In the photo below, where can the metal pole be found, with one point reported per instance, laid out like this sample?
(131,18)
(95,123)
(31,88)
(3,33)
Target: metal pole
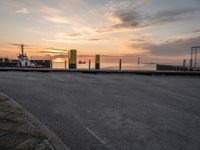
(138,63)
(184,64)
(22,48)
(43,63)
(191,62)
(197,55)
(191,53)
(195,59)
(120,64)
(51,64)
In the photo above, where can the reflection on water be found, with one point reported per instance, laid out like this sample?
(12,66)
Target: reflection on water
(110,66)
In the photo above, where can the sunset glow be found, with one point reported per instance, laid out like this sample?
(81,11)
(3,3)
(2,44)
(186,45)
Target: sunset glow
(58,60)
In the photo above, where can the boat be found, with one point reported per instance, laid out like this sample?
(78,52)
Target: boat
(24,61)
(82,62)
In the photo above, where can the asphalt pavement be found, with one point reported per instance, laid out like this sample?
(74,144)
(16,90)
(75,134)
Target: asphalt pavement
(112,111)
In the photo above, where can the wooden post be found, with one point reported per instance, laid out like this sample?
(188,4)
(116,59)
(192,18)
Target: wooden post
(89,64)
(65,64)
(120,64)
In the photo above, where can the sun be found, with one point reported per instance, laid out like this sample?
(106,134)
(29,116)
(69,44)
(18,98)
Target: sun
(58,60)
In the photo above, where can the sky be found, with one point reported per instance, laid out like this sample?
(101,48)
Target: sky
(156,30)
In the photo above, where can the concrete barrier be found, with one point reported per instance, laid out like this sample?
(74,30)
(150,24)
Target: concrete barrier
(139,72)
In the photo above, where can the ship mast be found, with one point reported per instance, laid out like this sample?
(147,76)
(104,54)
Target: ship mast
(22,49)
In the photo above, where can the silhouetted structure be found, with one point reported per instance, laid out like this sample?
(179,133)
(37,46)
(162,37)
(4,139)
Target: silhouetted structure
(5,62)
(89,64)
(194,50)
(184,64)
(174,68)
(120,64)
(41,63)
(97,62)
(72,59)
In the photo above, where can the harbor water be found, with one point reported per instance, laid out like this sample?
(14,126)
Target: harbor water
(108,66)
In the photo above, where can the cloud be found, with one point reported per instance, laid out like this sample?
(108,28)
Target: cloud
(46,52)
(138,40)
(97,39)
(57,19)
(127,16)
(54,40)
(169,16)
(52,50)
(23,11)
(128,19)
(118,13)
(69,36)
(112,7)
(74,34)
(56,49)
(170,47)
(196,31)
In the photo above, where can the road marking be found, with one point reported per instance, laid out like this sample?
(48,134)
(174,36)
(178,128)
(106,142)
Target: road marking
(91,132)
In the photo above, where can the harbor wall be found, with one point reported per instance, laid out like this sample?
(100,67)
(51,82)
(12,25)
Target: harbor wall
(8,64)
(161,67)
(40,63)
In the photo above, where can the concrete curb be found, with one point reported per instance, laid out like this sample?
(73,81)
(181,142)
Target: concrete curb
(52,138)
(139,72)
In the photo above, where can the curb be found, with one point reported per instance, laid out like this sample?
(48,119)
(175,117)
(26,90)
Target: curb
(138,72)
(52,138)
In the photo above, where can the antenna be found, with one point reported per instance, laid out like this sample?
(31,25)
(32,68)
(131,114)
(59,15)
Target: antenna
(22,49)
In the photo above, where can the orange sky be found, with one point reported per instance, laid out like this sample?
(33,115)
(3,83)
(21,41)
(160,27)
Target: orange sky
(156,30)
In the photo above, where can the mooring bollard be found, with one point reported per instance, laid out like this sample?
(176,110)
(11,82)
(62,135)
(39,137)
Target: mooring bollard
(89,64)
(97,62)
(72,59)
(120,64)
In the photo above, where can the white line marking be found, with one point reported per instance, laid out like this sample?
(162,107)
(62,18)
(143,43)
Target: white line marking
(91,132)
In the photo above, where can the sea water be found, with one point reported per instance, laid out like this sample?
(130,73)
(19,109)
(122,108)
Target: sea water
(109,66)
